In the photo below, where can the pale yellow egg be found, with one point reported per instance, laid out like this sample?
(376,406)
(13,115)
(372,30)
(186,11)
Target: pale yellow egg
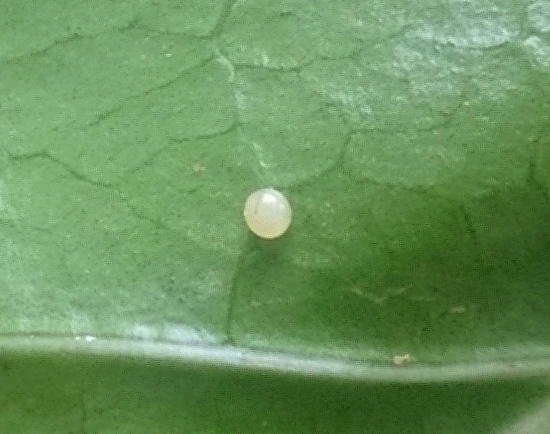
(267,213)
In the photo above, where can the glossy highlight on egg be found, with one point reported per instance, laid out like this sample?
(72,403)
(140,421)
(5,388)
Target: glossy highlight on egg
(267,213)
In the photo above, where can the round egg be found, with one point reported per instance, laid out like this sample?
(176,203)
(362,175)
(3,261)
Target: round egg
(267,213)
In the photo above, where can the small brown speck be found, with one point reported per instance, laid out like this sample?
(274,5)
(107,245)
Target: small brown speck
(198,168)
(402,359)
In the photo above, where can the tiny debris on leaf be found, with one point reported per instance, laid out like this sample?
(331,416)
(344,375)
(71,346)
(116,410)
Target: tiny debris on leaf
(198,168)
(401,359)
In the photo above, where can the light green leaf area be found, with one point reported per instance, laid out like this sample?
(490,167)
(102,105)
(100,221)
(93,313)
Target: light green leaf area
(411,141)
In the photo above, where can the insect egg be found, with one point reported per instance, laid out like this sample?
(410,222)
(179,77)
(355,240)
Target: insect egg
(267,213)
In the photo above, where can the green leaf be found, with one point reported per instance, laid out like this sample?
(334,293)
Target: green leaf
(411,140)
